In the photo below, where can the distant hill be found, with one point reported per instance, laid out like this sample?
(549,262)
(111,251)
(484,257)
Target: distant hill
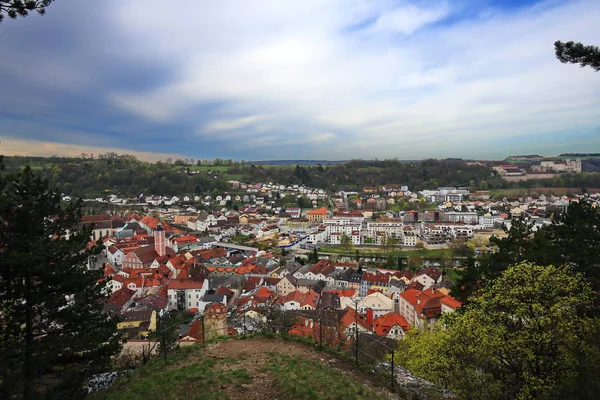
(525,157)
(296,162)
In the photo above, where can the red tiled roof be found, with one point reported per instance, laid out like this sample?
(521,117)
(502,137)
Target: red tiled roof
(121,296)
(384,324)
(186,284)
(318,211)
(350,316)
(450,302)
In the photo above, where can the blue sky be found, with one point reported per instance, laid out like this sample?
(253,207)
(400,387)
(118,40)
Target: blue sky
(334,79)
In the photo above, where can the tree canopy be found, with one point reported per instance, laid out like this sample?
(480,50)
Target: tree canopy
(54,333)
(573,238)
(22,8)
(531,334)
(577,53)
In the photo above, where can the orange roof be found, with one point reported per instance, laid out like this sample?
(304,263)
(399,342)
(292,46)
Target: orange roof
(350,316)
(450,302)
(186,284)
(384,324)
(318,211)
(341,292)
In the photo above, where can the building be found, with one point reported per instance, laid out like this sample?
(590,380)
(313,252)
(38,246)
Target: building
(317,215)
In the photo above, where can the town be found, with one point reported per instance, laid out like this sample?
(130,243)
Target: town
(319,269)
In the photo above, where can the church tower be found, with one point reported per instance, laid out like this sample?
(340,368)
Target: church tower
(159,240)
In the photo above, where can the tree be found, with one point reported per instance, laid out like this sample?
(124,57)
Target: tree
(21,8)
(577,53)
(573,239)
(346,243)
(532,334)
(415,262)
(57,335)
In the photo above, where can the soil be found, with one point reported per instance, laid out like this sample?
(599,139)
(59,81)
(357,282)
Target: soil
(251,355)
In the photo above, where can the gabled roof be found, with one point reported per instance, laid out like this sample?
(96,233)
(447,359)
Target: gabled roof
(143,315)
(433,272)
(349,316)
(384,324)
(121,296)
(186,284)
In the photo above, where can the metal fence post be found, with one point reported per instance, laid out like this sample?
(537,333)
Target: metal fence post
(203,332)
(392,377)
(320,333)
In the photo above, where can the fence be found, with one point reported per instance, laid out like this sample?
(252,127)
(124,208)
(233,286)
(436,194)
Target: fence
(323,328)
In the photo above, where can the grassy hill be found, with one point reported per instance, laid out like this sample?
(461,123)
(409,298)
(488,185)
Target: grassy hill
(254,368)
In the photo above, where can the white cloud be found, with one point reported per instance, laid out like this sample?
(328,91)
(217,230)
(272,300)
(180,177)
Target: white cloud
(409,18)
(225,125)
(386,76)
(322,137)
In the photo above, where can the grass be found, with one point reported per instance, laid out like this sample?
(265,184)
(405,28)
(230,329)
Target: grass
(366,252)
(200,380)
(191,375)
(299,378)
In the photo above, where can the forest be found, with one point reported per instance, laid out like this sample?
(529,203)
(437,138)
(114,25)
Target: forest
(125,175)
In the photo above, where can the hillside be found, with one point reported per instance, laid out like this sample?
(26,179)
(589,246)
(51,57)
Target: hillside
(251,369)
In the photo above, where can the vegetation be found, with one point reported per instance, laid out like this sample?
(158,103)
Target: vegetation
(54,333)
(572,239)
(122,175)
(358,173)
(21,8)
(531,335)
(299,378)
(190,373)
(201,379)
(577,53)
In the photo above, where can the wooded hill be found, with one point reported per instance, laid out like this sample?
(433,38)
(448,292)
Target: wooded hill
(130,177)
(127,176)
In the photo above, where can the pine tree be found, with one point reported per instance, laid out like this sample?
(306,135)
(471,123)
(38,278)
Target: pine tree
(55,334)
(21,8)
(577,53)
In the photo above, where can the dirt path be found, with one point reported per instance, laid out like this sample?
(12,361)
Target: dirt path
(252,355)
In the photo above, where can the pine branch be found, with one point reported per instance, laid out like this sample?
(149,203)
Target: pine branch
(577,53)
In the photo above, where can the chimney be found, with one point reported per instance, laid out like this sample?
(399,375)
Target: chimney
(159,240)
(370,316)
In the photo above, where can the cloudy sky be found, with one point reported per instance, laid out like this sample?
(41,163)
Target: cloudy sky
(290,79)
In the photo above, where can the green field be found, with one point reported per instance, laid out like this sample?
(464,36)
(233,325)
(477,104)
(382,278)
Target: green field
(366,252)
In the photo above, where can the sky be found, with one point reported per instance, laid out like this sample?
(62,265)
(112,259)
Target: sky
(289,79)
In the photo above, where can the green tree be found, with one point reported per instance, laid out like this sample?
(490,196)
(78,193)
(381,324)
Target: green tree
(530,335)
(57,333)
(414,262)
(346,242)
(577,53)
(21,8)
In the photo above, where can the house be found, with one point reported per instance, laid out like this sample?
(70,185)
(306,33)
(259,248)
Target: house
(301,301)
(115,255)
(137,323)
(422,308)
(351,321)
(392,325)
(374,281)
(286,285)
(119,300)
(209,299)
(317,215)
(184,294)
(215,320)
(377,302)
